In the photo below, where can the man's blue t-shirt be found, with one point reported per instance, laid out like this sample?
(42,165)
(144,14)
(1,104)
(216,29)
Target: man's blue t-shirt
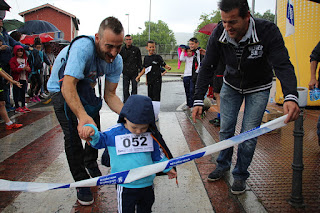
(82,64)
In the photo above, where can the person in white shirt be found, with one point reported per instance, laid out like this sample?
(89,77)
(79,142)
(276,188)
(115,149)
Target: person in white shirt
(186,56)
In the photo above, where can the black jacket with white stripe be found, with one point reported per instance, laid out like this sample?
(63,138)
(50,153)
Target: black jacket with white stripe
(264,53)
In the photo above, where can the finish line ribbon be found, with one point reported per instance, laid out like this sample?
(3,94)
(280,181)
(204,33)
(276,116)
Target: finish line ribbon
(141,172)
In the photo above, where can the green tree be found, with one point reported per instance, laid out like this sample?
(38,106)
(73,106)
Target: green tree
(160,33)
(205,19)
(215,17)
(266,15)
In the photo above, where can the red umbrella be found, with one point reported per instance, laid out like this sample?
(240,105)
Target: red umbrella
(207,29)
(29,39)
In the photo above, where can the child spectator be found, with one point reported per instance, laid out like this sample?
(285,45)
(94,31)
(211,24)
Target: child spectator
(36,65)
(130,144)
(47,68)
(187,76)
(3,111)
(20,69)
(152,65)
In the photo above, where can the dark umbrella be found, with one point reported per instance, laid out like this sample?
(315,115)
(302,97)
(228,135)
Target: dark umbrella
(37,27)
(4,5)
(12,24)
(207,29)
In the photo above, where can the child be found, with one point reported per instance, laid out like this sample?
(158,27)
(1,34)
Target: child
(152,67)
(3,111)
(132,144)
(36,72)
(187,76)
(20,70)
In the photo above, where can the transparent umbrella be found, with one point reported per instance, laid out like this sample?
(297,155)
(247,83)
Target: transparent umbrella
(12,24)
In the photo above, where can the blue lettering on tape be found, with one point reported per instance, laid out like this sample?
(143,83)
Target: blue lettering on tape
(62,187)
(183,159)
(115,178)
(250,134)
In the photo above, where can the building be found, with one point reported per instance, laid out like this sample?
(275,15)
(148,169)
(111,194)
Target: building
(301,43)
(64,21)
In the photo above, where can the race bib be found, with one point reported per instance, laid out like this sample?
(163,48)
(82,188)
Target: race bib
(148,69)
(131,143)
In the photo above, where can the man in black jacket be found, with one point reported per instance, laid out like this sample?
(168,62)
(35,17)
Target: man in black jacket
(314,83)
(251,49)
(132,65)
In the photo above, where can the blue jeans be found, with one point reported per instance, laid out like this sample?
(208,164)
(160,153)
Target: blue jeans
(231,101)
(188,88)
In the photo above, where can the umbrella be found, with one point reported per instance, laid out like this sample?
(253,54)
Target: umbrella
(29,39)
(61,41)
(37,27)
(207,29)
(4,5)
(12,24)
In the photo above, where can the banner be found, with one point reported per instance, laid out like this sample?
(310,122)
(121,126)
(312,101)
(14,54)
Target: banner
(141,172)
(289,19)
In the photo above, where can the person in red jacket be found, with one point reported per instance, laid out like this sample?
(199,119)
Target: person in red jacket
(20,70)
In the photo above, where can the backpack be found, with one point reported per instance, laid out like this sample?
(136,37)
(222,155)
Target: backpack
(91,103)
(35,60)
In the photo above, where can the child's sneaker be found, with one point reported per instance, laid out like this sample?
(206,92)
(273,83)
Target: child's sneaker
(37,98)
(26,109)
(13,126)
(33,100)
(19,109)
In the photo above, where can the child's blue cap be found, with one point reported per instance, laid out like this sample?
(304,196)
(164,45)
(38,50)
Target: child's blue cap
(138,109)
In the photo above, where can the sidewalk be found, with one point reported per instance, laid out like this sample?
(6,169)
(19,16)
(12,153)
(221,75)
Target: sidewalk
(270,185)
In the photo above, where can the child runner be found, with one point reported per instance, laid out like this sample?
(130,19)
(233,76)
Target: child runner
(152,67)
(132,144)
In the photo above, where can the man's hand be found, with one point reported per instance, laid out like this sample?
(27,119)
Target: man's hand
(3,47)
(292,109)
(17,83)
(196,113)
(202,51)
(85,119)
(313,84)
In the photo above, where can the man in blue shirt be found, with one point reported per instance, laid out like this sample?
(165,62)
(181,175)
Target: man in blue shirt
(88,59)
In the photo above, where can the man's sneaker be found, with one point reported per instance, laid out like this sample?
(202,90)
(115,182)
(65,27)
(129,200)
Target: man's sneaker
(19,109)
(238,187)
(217,174)
(13,126)
(215,122)
(94,172)
(84,196)
(26,109)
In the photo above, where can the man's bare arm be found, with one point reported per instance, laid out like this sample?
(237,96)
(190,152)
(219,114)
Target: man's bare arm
(111,98)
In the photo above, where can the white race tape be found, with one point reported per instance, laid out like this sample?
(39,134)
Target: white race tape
(141,172)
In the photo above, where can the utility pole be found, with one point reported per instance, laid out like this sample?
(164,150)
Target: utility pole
(149,18)
(128,22)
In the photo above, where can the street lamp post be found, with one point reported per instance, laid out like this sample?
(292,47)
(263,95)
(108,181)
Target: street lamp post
(149,18)
(139,34)
(128,22)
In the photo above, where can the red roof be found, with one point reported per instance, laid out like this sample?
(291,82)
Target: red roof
(44,6)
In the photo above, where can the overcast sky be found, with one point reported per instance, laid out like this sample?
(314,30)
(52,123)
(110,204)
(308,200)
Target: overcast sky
(180,15)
